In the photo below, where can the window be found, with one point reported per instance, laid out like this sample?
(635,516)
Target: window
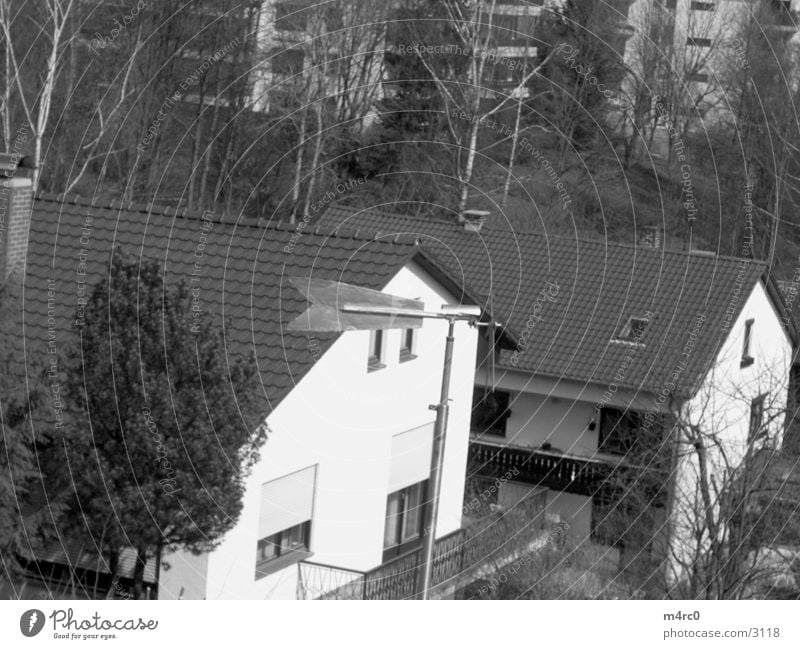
(375,359)
(747,359)
(403,528)
(632,331)
(703,6)
(698,42)
(287,545)
(756,417)
(408,344)
(284,528)
(618,430)
(490,411)
(782,5)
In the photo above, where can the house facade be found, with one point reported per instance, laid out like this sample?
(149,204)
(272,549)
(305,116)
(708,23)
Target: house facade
(613,362)
(344,474)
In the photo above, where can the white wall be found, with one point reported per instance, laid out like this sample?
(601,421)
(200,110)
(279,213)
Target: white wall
(722,407)
(537,418)
(342,418)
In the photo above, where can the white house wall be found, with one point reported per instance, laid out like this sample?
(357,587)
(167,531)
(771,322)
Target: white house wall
(342,418)
(722,405)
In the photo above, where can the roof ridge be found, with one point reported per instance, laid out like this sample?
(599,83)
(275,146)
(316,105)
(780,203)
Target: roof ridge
(358,234)
(130,206)
(526,233)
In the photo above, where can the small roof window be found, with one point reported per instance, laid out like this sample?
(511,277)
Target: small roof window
(632,331)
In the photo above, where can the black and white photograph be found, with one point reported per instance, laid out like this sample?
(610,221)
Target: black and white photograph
(488,301)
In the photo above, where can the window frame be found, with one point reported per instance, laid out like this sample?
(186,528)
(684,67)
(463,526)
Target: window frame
(747,358)
(417,496)
(408,348)
(499,425)
(377,343)
(756,417)
(617,432)
(698,77)
(283,556)
(698,41)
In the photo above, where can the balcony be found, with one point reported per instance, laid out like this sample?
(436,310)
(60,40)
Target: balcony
(459,558)
(551,469)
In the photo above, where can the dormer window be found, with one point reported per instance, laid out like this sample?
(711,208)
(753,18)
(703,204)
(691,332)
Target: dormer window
(747,359)
(632,331)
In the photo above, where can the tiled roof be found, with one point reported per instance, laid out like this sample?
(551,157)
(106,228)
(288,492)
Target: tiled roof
(591,288)
(242,272)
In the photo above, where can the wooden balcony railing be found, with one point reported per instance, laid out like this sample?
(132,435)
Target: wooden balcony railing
(549,469)
(456,556)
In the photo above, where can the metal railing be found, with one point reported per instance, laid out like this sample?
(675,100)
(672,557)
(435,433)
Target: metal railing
(456,557)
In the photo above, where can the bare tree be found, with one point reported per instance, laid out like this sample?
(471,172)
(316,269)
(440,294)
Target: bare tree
(692,507)
(51,26)
(472,100)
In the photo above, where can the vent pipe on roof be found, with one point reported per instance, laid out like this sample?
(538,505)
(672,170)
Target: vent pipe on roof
(473,220)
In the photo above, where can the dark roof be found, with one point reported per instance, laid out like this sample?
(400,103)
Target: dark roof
(243,274)
(598,286)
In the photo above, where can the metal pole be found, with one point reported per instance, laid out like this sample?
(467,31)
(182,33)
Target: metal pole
(437,457)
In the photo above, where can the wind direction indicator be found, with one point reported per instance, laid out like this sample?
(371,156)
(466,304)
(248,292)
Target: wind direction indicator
(336,306)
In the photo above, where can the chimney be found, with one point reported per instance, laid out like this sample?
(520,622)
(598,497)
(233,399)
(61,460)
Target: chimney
(650,237)
(16,202)
(473,220)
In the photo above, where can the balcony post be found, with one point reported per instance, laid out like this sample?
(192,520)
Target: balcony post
(431,513)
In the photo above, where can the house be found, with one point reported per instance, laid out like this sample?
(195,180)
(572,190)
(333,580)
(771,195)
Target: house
(620,352)
(335,503)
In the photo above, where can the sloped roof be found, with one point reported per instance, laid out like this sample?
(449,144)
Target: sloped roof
(693,298)
(242,270)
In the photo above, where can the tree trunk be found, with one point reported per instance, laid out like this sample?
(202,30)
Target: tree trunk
(113,566)
(138,573)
